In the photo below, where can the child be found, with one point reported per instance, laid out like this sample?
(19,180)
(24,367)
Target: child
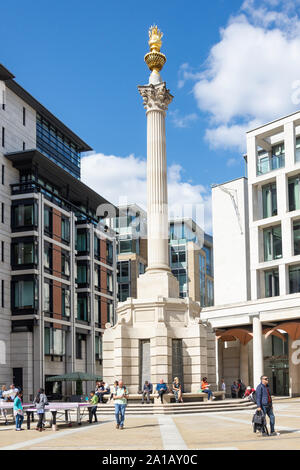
(18,411)
(93,410)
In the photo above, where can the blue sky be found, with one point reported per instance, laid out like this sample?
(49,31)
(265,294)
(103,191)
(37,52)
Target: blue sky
(231,65)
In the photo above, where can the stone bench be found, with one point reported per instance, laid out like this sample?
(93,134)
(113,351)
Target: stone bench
(170,398)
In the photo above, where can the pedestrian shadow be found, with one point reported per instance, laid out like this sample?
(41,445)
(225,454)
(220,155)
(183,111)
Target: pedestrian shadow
(143,426)
(291,431)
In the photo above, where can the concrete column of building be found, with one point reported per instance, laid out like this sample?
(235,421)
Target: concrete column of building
(244,364)
(258,359)
(289,143)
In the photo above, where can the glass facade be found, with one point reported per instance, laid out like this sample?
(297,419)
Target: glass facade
(272,283)
(24,295)
(55,342)
(83,307)
(296,237)
(56,146)
(294,193)
(24,215)
(294,279)
(272,243)
(269,197)
(270,161)
(24,253)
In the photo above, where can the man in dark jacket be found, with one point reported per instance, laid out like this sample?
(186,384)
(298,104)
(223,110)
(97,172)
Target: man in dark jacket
(264,402)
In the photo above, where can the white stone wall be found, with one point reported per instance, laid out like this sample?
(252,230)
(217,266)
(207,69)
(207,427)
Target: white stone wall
(231,251)
(22,356)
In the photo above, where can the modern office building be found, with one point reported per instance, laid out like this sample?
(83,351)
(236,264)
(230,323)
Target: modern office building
(58,260)
(130,226)
(256,227)
(191,260)
(190,254)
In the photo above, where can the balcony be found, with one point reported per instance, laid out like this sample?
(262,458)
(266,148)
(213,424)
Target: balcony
(270,163)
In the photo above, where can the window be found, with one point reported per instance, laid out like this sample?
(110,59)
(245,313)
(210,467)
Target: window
(24,116)
(98,348)
(96,247)
(269,200)
(97,277)
(24,215)
(296,235)
(109,253)
(83,309)
(2,212)
(2,251)
(65,229)
(126,246)
(55,342)
(48,257)
(82,274)
(65,302)
(47,297)
(48,220)
(270,161)
(109,282)
(294,279)
(65,264)
(208,252)
(79,339)
(83,241)
(24,254)
(272,243)
(178,256)
(294,193)
(2,174)
(272,283)
(124,292)
(297,149)
(97,310)
(3,137)
(24,295)
(123,271)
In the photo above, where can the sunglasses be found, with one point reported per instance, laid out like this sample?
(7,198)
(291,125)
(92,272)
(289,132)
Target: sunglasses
(265,378)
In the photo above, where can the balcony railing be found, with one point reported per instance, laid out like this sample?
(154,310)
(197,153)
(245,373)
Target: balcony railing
(266,165)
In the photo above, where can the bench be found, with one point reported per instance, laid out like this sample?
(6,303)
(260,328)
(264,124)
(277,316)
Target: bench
(170,398)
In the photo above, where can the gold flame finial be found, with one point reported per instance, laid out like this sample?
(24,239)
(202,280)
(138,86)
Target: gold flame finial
(155,36)
(155,59)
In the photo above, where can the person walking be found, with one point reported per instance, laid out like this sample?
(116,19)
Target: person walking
(264,402)
(177,390)
(223,386)
(120,398)
(147,391)
(18,411)
(93,409)
(161,389)
(40,402)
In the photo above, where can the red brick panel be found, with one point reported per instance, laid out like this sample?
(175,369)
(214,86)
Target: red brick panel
(104,312)
(57,313)
(56,225)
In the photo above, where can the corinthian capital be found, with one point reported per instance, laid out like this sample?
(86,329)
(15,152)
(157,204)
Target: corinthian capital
(156,97)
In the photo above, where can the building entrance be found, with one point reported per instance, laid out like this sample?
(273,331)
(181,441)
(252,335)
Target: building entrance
(276,365)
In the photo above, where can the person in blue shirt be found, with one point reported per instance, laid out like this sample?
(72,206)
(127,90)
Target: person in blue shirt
(18,411)
(264,402)
(161,389)
(148,389)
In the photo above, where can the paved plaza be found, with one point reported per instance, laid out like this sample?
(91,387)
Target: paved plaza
(227,431)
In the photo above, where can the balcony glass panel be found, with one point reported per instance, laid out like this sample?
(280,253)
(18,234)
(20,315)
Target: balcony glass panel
(271,283)
(269,200)
(272,243)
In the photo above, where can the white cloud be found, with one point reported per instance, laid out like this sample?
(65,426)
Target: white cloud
(182,121)
(122,180)
(249,75)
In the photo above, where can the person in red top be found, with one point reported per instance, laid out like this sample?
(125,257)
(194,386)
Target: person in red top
(205,389)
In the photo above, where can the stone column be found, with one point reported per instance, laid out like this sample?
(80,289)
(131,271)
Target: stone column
(244,367)
(156,101)
(258,360)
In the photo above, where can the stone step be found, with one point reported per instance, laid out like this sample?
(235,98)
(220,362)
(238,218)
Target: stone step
(175,412)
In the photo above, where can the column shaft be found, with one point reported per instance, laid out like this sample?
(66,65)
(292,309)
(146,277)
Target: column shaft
(258,364)
(157,192)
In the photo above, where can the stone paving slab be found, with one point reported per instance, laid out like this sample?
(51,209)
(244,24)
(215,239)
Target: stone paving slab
(227,430)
